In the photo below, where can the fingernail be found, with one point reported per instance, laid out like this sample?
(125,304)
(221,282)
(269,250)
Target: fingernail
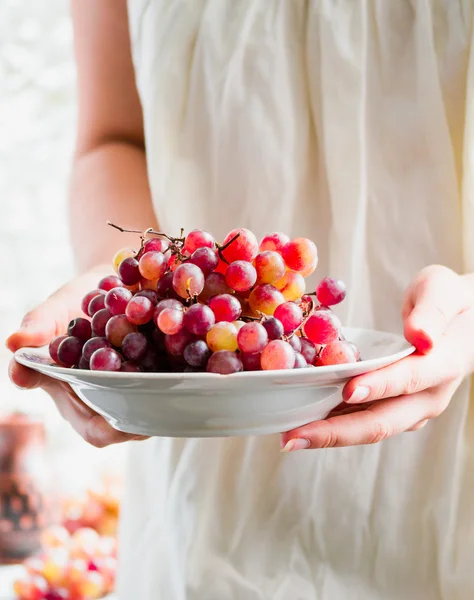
(360,394)
(296,444)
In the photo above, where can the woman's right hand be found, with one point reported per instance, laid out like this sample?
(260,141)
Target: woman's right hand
(38,328)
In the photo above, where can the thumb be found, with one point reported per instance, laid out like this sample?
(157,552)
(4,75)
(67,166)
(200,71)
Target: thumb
(436,297)
(39,327)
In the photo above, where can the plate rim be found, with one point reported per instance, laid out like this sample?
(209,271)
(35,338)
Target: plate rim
(365,365)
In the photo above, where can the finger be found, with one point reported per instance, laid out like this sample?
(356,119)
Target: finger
(419,425)
(39,326)
(436,296)
(377,422)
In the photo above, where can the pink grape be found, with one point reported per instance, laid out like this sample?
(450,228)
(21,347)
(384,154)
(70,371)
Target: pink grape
(129,272)
(70,351)
(164,288)
(147,284)
(96,304)
(168,303)
(105,359)
(198,319)
(130,367)
(134,345)
(206,259)
(197,353)
(270,267)
(87,299)
(337,353)
(152,296)
(295,343)
(309,269)
(290,315)
(274,328)
(188,280)
(139,310)
(300,361)
(54,345)
(322,327)
(244,247)
(175,344)
(277,355)
(300,254)
(155,245)
(117,299)
(224,362)
(331,291)
(198,239)
(152,265)
(117,328)
(225,307)
(292,285)
(240,276)
(222,336)
(252,338)
(251,362)
(308,350)
(80,328)
(99,321)
(265,298)
(214,285)
(92,345)
(170,321)
(274,242)
(109,282)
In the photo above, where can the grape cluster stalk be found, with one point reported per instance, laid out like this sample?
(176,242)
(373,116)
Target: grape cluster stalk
(190,304)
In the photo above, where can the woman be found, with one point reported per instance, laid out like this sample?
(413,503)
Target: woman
(348,122)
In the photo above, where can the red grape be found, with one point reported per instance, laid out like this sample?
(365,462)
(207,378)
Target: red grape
(308,350)
(251,362)
(83,364)
(295,343)
(214,284)
(240,276)
(224,362)
(225,307)
(274,241)
(168,303)
(152,296)
(80,328)
(300,361)
(105,359)
(274,328)
(188,280)
(164,288)
(155,245)
(54,345)
(117,328)
(117,299)
(197,353)
(265,298)
(206,259)
(92,345)
(130,367)
(322,327)
(70,351)
(300,254)
(270,267)
(129,272)
(87,299)
(198,239)
(290,315)
(337,353)
(331,291)
(170,321)
(121,255)
(252,338)
(152,265)
(109,282)
(99,321)
(198,319)
(277,355)
(134,346)
(139,310)
(175,344)
(96,304)
(244,247)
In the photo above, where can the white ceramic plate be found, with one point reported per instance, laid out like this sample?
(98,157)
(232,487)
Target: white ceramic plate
(211,405)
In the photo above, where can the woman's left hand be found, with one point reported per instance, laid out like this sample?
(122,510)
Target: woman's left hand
(438,315)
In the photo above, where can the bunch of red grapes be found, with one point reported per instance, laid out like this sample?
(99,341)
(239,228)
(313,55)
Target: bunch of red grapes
(192,304)
(81,566)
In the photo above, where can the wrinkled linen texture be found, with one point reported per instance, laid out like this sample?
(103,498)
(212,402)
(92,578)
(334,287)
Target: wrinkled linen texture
(350,122)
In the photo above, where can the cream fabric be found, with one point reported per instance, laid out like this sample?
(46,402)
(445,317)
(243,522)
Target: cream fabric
(350,122)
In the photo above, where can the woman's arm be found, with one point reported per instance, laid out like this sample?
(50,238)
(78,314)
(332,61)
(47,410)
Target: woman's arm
(109,182)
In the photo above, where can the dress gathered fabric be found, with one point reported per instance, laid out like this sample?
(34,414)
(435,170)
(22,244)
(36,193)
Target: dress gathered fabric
(350,122)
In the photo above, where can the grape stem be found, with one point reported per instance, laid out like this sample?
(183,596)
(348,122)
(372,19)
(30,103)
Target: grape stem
(149,231)
(220,248)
